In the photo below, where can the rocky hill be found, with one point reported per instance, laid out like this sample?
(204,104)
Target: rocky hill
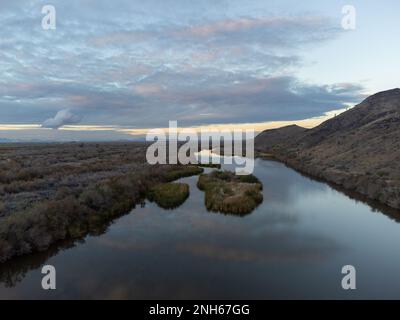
(358,149)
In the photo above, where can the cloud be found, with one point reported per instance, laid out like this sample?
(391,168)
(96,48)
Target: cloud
(142,65)
(224,97)
(62,118)
(277,31)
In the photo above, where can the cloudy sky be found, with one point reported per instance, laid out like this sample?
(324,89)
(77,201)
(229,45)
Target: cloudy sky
(113,67)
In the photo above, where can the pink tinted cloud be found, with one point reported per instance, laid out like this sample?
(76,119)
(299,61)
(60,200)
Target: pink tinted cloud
(244,24)
(148,89)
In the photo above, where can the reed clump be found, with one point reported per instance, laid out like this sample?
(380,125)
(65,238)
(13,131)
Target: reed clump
(169,195)
(228,193)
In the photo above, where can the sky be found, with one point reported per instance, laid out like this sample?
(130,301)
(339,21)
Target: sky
(113,69)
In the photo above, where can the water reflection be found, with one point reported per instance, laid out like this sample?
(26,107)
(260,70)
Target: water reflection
(15,270)
(374,205)
(292,246)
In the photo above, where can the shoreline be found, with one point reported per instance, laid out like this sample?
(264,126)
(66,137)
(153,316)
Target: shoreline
(390,211)
(72,219)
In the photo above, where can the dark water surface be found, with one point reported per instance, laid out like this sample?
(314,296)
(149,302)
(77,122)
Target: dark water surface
(292,246)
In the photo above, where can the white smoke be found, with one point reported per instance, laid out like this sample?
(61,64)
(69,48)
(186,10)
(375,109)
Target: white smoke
(62,118)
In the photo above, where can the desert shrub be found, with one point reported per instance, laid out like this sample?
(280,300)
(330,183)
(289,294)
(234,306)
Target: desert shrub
(223,175)
(2,207)
(209,165)
(181,172)
(27,174)
(249,179)
(169,195)
(62,193)
(228,200)
(382,173)
(202,181)
(255,194)
(26,186)
(5,176)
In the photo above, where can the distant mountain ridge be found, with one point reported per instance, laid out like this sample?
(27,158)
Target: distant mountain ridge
(358,149)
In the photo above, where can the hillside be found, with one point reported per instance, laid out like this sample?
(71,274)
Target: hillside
(281,136)
(358,149)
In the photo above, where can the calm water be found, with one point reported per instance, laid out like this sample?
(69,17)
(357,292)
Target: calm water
(292,246)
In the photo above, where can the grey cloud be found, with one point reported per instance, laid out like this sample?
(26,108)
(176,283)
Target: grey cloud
(141,64)
(253,100)
(196,97)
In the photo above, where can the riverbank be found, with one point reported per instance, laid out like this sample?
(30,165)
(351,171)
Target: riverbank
(369,189)
(357,150)
(54,192)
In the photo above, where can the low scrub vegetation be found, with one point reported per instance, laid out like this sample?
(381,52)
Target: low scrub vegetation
(182,171)
(52,192)
(169,195)
(210,165)
(228,193)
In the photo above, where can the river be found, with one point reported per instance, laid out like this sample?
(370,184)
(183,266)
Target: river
(293,245)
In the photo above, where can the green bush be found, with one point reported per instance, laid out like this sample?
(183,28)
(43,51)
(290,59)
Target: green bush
(169,195)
